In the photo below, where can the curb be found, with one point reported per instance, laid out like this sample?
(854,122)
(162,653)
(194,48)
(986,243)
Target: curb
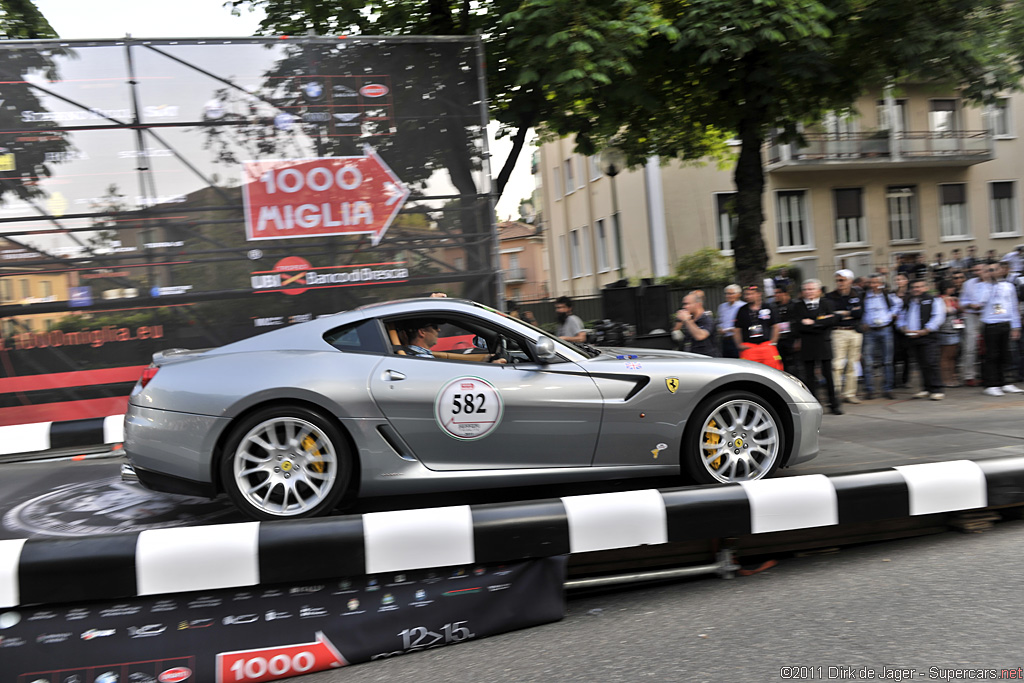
(45,436)
(160,561)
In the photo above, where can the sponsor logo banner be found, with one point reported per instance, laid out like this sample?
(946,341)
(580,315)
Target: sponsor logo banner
(295,275)
(281,632)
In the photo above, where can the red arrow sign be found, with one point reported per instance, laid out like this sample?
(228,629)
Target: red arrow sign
(274,663)
(315,197)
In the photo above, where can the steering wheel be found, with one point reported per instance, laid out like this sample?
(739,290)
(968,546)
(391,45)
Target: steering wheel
(500,351)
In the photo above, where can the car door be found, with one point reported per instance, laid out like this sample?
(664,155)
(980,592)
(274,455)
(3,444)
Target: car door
(458,415)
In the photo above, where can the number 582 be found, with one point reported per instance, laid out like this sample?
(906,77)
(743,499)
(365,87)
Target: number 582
(468,404)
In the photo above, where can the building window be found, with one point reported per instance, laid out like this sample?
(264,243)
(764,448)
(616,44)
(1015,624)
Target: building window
(601,244)
(849,216)
(460,263)
(791,219)
(585,250)
(619,259)
(6,290)
(953,210)
(902,212)
(574,253)
(26,290)
(840,124)
(901,114)
(570,177)
(581,182)
(942,116)
(1004,210)
(556,183)
(595,167)
(564,249)
(999,119)
(725,227)
(47,288)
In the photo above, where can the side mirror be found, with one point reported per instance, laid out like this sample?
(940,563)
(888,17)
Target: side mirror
(545,350)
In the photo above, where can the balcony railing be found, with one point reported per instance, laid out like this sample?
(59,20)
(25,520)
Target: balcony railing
(514,275)
(916,148)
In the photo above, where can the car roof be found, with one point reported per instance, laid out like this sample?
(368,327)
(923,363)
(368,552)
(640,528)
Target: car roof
(308,336)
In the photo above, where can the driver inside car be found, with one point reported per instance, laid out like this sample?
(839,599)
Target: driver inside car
(423,335)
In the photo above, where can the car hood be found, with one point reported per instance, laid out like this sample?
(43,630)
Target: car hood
(618,354)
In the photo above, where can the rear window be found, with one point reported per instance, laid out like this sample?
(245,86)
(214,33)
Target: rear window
(361,337)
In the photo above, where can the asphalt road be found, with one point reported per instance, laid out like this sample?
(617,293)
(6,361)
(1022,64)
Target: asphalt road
(881,433)
(915,609)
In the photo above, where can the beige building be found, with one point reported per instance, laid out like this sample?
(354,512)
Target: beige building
(915,171)
(24,283)
(522,256)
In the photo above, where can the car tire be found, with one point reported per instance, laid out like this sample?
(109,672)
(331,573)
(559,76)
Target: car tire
(745,433)
(286,462)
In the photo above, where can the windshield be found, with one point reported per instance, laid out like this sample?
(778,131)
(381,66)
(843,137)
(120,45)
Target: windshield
(560,344)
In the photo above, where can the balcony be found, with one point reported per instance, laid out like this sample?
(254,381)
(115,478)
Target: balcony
(854,151)
(513,275)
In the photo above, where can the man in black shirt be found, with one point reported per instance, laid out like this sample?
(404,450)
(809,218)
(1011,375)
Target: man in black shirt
(695,329)
(813,318)
(786,338)
(756,332)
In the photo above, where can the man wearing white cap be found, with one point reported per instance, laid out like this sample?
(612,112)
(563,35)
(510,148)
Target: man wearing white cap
(846,335)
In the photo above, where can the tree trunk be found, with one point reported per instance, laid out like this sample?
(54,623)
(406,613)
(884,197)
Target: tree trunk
(748,244)
(518,140)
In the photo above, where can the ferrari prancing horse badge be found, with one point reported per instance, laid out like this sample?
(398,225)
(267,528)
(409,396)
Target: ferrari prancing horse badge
(672,383)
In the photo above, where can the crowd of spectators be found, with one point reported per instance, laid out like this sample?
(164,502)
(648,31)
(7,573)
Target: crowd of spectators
(956,321)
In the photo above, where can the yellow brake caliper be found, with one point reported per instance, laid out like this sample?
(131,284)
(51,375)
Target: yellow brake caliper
(713,439)
(309,445)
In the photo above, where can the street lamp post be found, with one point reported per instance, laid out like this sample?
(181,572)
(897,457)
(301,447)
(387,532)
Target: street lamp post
(613,161)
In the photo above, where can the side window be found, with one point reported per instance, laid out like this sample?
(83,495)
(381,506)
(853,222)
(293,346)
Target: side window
(456,339)
(361,337)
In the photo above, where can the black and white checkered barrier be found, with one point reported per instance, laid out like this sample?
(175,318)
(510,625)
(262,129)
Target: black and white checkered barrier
(201,558)
(45,436)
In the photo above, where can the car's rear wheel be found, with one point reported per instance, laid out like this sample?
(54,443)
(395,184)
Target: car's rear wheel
(735,436)
(286,462)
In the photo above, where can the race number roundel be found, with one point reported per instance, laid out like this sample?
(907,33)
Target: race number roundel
(468,408)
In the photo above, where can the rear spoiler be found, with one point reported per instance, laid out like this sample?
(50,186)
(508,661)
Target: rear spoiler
(171,355)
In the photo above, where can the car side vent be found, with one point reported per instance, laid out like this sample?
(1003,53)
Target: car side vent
(395,441)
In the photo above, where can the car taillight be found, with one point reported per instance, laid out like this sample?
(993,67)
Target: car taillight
(147,374)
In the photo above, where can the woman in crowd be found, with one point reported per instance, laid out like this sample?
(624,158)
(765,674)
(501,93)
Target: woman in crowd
(949,333)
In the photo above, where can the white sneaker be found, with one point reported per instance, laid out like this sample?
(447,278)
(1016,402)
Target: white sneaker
(1010,389)
(922,394)
(993,391)
(937,396)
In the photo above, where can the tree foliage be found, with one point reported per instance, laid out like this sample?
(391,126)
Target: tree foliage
(544,57)
(22,19)
(702,268)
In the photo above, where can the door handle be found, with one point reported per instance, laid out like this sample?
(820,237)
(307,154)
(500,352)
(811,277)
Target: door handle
(393,376)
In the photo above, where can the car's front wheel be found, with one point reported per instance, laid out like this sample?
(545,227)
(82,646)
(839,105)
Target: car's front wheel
(286,462)
(734,436)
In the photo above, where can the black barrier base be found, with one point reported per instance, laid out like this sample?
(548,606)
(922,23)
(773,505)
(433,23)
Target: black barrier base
(274,632)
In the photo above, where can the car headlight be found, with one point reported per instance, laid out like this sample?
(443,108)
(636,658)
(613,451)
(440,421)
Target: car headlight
(799,381)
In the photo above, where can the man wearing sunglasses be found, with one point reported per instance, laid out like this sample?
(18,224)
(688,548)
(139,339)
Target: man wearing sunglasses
(422,335)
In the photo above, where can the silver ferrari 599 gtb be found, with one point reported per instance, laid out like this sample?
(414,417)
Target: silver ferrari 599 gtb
(302,419)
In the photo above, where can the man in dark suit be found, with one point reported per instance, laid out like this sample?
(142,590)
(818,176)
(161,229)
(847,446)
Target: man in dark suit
(812,319)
